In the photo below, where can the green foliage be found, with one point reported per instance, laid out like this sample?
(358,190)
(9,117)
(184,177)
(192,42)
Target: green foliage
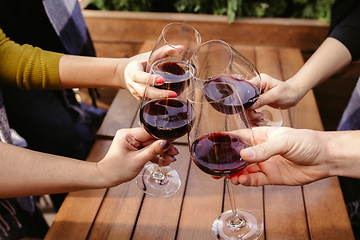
(314,9)
(125,5)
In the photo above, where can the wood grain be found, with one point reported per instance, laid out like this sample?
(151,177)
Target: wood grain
(78,212)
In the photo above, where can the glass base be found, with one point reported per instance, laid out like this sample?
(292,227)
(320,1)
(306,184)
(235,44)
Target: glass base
(272,120)
(250,228)
(161,184)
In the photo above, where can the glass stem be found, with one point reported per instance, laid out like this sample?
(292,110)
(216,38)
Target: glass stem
(236,221)
(158,174)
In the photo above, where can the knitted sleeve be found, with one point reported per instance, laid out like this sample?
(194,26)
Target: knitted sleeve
(28,67)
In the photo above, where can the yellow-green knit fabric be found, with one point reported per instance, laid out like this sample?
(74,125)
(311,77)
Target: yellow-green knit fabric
(28,67)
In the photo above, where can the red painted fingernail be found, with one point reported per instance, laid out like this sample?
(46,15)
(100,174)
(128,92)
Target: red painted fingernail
(172,95)
(159,80)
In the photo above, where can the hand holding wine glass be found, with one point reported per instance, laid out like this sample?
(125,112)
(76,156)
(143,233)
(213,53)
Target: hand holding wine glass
(215,143)
(217,61)
(165,117)
(163,110)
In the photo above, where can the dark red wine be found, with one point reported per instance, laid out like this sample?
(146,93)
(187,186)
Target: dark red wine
(219,153)
(248,93)
(165,118)
(176,75)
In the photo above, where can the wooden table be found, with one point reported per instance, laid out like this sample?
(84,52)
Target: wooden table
(314,211)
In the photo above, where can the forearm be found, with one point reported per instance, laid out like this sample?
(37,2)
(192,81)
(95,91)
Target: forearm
(343,153)
(25,173)
(328,59)
(77,71)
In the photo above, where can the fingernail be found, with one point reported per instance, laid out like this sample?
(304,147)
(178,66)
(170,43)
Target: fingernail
(249,152)
(174,158)
(159,80)
(176,150)
(164,145)
(172,95)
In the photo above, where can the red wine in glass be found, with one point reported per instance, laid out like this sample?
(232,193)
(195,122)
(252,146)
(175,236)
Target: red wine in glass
(218,153)
(175,74)
(248,93)
(165,118)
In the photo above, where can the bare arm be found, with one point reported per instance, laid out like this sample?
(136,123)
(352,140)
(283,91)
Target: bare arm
(77,71)
(287,156)
(25,173)
(328,59)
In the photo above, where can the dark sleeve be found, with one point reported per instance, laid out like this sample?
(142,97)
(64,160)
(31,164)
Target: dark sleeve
(347,31)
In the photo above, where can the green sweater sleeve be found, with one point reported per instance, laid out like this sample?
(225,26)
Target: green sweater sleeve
(28,67)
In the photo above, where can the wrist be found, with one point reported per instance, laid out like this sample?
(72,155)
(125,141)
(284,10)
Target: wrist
(300,88)
(119,81)
(343,155)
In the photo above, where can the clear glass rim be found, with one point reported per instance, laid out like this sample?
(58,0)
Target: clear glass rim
(191,67)
(212,101)
(232,51)
(186,25)
(230,58)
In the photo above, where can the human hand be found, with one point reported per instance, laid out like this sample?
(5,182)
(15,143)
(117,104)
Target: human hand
(283,156)
(137,74)
(256,119)
(277,94)
(130,150)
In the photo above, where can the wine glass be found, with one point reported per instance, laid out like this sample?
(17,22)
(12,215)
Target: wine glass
(176,41)
(217,61)
(164,115)
(272,116)
(215,143)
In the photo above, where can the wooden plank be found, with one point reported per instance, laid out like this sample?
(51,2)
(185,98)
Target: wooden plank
(320,205)
(116,49)
(77,213)
(136,27)
(285,216)
(283,205)
(159,217)
(147,45)
(202,204)
(121,114)
(118,212)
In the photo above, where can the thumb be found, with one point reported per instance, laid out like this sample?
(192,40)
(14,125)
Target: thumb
(152,150)
(263,151)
